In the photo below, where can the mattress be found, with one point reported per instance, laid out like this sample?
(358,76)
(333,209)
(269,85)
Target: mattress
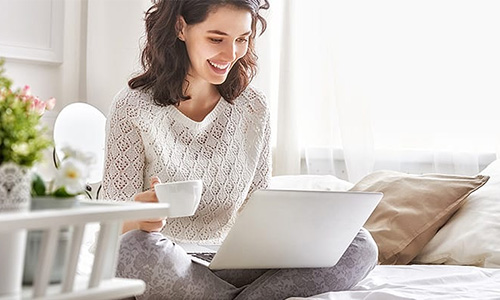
(422,282)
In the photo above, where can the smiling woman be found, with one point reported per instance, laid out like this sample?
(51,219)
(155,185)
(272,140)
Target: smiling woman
(208,46)
(216,47)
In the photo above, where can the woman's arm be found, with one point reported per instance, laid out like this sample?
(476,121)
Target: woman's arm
(262,176)
(124,159)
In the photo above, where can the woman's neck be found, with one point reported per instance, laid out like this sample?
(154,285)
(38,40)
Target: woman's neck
(204,97)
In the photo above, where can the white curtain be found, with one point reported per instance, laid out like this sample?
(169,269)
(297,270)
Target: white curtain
(357,86)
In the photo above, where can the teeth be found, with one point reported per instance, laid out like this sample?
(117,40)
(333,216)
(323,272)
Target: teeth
(218,66)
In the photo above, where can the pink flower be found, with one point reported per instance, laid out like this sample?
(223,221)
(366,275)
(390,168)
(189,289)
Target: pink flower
(26,91)
(37,105)
(51,103)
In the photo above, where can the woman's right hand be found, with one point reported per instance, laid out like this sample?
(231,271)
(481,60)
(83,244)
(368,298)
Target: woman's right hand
(151,225)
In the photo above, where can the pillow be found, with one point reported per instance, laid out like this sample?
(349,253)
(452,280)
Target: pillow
(472,235)
(310,182)
(413,209)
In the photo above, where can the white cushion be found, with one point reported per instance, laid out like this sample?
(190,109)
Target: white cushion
(472,235)
(310,182)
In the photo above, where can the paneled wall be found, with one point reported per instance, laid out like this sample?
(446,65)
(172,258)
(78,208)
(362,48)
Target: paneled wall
(73,50)
(38,55)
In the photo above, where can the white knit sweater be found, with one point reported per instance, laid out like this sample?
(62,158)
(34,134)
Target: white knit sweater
(228,150)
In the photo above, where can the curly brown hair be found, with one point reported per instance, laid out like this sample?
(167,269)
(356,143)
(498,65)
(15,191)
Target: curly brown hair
(165,60)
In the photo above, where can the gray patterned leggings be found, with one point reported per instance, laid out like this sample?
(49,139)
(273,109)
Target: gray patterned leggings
(170,274)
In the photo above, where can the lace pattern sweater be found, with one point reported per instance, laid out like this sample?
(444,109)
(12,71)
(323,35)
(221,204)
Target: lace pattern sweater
(228,150)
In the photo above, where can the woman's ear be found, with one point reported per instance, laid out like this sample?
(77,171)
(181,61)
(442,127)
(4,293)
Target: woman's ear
(180,25)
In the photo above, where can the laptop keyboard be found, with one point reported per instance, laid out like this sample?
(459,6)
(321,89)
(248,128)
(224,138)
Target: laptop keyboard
(206,256)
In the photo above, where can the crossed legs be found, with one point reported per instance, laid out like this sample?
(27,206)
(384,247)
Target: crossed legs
(169,272)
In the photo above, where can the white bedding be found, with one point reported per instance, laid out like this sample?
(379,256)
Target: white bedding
(422,282)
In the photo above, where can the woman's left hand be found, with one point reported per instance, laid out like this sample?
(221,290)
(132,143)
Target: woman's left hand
(151,225)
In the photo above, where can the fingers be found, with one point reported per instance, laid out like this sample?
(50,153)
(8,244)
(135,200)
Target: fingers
(153,181)
(149,195)
(151,225)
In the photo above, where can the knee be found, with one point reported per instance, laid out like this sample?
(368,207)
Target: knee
(139,250)
(362,254)
(366,247)
(355,264)
(144,239)
(146,242)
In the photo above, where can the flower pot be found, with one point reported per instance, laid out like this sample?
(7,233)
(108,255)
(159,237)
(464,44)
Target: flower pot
(34,240)
(15,187)
(15,196)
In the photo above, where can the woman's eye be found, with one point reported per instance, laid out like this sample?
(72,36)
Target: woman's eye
(242,40)
(213,40)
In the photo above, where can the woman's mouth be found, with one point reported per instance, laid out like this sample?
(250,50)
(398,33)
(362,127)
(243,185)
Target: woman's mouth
(218,67)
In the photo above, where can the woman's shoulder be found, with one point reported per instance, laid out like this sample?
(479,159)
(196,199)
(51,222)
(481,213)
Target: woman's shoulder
(131,101)
(132,97)
(253,99)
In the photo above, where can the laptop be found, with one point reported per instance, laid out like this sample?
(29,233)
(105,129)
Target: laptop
(289,229)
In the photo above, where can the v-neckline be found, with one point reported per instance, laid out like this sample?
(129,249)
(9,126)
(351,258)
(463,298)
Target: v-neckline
(208,118)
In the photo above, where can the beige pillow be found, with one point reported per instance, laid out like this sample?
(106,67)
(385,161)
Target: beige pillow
(413,209)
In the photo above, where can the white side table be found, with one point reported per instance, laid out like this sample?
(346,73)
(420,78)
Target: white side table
(101,284)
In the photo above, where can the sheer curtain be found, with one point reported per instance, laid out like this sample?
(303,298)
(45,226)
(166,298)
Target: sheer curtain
(357,86)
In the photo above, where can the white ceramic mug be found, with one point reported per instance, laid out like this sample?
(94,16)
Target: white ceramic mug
(183,196)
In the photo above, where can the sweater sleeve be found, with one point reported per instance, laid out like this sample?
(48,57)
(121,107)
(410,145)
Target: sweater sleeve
(262,176)
(124,153)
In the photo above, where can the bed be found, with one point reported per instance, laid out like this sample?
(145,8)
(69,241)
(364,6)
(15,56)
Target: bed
(438,234)
(423,282)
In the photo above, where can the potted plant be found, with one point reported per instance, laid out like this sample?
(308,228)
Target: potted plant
(22,140)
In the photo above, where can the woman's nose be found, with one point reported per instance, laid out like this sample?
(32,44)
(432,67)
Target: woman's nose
(230,52)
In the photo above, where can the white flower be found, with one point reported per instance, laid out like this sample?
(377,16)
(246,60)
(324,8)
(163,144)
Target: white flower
(45,167)
(66,177)
(72,175)
(85,157)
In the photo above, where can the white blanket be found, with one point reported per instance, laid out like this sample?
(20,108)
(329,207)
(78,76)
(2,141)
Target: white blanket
(422,282)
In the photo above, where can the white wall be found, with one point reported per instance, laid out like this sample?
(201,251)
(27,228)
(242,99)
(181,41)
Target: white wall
(115,28)
(59,80)
(100,50)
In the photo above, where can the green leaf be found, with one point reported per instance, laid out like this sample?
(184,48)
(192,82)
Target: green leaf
(61,193)
(37,186)
(4,81)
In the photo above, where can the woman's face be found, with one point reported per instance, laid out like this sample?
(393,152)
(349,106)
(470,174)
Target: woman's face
(215,44)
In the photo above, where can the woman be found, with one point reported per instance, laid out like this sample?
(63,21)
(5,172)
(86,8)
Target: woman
(192,115)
